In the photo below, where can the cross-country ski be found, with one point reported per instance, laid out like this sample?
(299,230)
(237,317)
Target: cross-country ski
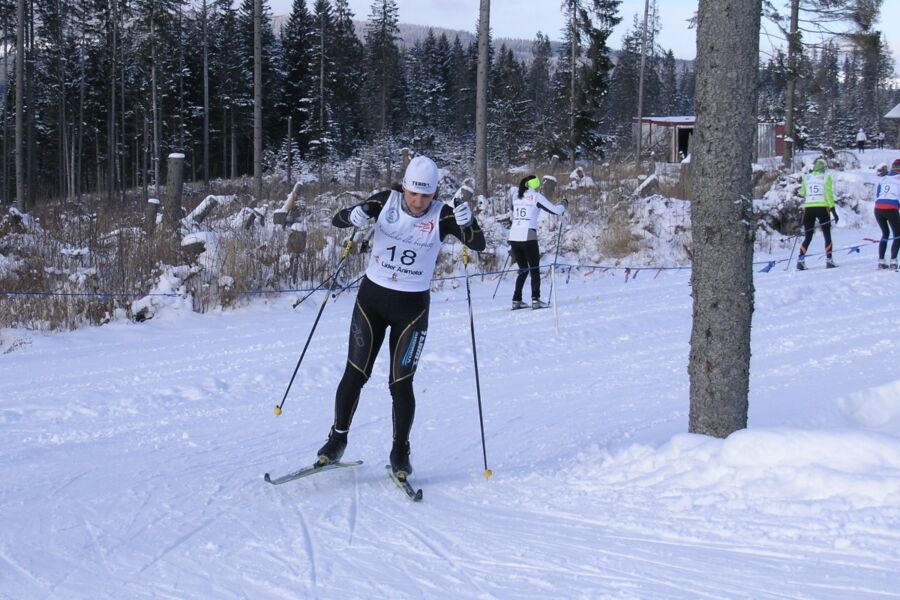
(307,471)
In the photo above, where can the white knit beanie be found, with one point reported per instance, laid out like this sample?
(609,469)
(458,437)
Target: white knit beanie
(421,176)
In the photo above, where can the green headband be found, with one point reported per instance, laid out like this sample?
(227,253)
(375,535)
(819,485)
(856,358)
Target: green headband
(533,183)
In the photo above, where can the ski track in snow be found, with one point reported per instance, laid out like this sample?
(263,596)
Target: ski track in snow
(133,454)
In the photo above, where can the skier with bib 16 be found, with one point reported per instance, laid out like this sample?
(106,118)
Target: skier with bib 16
(523,242)
(410,225)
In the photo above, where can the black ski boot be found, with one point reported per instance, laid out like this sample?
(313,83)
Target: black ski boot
(334,448)
(400,464)
(538,303)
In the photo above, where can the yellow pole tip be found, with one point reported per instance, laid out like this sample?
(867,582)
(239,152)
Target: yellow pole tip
(488,473)
(277,411)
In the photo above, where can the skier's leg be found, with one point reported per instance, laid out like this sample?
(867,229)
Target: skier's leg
(894,220)
(407,339)
(518,254)
(367,330)
(881,218)
(824,219)
(809,228)
(533,254)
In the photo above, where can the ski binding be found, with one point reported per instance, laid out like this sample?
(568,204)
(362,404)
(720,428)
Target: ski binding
(403,483)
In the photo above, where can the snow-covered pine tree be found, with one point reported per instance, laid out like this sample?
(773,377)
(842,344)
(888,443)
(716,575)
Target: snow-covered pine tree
(347,114)
(383,65)
(298,38)
(273,125)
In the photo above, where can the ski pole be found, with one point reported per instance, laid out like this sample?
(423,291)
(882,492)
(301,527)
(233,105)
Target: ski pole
(312,291)
(487,472)
(556,257)
(502,273)
(803,234)
(465,254)
(347,246)
(334,295)
(794,247)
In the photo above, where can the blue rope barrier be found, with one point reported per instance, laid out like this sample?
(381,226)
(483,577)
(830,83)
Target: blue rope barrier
(631,273)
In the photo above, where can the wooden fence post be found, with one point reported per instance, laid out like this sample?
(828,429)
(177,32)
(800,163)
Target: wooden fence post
(150,210)
(174,188)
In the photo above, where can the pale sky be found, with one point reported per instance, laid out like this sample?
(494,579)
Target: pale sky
(524,18)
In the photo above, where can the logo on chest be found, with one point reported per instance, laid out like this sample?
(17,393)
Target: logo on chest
(425,226)
(393,215)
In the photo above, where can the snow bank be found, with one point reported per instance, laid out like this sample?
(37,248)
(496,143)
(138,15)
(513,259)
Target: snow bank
(774,466)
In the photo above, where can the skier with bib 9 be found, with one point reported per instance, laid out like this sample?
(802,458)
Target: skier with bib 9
(410,225)
(523,242)
(887,214)
(818,206)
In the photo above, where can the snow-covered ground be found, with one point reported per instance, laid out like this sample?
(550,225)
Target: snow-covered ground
(133,454)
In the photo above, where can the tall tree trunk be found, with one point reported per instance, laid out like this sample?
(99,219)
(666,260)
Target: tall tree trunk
(573,75)
(225,142)
(31,155)
(79,132)
(4,190)
(111,131)
(146,143)
(322,76)
(288,156)
(793,67)
(481,98)
(640,106)
(154,107)
(20,109)
(722,215)
(234,148)
(205,99)
(121,142)
(61,105)
(257,99)
(181,146)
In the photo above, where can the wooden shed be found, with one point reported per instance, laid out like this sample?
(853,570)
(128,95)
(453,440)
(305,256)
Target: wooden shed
(894,115)
(669,138)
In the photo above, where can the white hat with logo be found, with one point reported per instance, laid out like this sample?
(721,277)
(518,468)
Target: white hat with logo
(421,176)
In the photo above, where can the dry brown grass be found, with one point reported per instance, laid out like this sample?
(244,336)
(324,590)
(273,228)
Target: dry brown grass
(113,253)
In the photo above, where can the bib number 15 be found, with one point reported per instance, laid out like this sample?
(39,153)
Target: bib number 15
(408,257)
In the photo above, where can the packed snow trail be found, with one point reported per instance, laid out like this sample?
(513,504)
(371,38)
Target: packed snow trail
(133,454)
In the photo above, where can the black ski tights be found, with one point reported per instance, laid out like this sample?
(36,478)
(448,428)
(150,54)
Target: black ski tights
(377,310)
(810,216)
(885,217)
(528,258)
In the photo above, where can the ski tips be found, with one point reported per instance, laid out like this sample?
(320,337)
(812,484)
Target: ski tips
(488,473)
(277,411)
(267,478)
